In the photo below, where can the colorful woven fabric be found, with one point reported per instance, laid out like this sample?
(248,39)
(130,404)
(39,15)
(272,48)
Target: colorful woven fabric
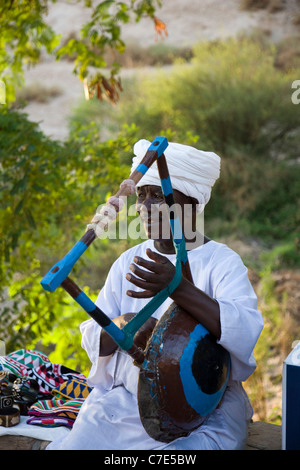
(68,387)
(50,376)
(51,422)
(22,362)
(73,389)
(30,359)
(56,407)
(67,401)
(36,365)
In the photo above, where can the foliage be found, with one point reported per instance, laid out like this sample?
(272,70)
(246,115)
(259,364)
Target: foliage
(239,93)
(232,99)
(155,55)
(282,255)
(26,17)
(49,191)
(100,34)
(36,92)
(279,305)
(103,32)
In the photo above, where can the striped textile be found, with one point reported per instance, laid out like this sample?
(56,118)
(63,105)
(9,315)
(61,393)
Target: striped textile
(67,400)
(22,362)
(63,408)
(51,422)
(37,366)
(68,388)
(54,407)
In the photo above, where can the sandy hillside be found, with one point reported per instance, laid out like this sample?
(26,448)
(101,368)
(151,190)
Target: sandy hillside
(188,21)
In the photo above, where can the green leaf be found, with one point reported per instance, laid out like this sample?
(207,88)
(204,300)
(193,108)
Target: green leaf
(19,206)
(30,218)
(20,186)
(41,189)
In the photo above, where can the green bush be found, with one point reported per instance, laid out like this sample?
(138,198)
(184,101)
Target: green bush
(231,98)
(230,95)
(283,255)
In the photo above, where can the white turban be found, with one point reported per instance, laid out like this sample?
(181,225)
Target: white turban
(193,172)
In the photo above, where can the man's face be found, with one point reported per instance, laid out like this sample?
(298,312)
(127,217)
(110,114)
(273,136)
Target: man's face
(154,212)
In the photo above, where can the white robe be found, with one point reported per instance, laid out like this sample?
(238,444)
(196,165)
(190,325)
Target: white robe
(109,418)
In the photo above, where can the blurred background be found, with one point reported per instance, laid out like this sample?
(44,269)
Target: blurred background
(221,76)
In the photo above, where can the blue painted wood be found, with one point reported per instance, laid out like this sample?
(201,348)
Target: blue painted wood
(166,185)
(142,168)
(58,273)
(124,341)
(159,145)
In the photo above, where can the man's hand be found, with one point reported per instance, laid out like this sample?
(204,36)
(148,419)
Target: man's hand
(157,275)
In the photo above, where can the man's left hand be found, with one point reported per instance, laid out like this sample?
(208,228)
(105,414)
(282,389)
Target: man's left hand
(158,274)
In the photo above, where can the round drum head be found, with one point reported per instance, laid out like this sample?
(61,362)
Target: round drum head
(183,377)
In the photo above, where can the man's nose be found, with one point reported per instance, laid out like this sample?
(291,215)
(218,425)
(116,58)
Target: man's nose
(144,206)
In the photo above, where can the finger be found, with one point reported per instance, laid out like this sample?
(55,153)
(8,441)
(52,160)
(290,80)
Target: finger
(158,258)
(146,294)
(150,265)
(138,282)
(146,275)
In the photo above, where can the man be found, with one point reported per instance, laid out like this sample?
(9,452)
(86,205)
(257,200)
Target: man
(220,298)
